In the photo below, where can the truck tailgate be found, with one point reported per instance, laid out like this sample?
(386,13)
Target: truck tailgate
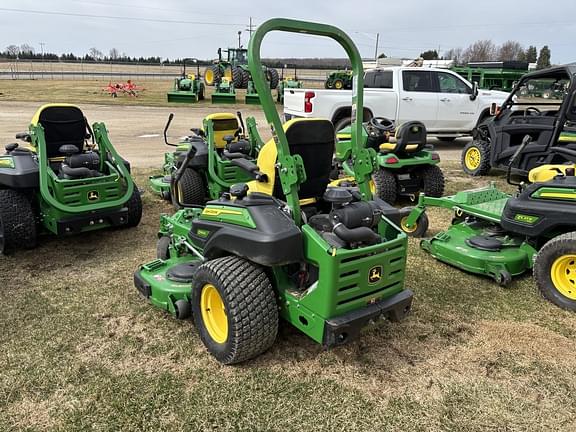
(294,101)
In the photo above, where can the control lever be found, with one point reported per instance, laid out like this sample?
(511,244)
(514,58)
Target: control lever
(170,117)
(527,140)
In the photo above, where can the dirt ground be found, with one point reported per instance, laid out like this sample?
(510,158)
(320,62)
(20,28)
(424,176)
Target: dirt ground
(136,130)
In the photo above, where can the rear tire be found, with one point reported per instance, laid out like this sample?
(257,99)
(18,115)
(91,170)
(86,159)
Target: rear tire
(555,271)
(338,84)
(272,77)
(134,205)
(342,123)
(475,159)
(238,77)
(17,222)
(386,186)
(234,309)
(433,181)
(213,75)
(189,190)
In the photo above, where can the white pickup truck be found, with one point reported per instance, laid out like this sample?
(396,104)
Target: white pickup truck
(445,102)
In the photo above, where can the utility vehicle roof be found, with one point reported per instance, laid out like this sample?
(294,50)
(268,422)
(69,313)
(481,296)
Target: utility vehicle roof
(553,72)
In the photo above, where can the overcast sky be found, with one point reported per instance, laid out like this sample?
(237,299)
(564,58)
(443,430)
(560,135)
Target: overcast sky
(178,28)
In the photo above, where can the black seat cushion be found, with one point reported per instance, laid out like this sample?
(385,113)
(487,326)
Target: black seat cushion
(314,141)
(63,125)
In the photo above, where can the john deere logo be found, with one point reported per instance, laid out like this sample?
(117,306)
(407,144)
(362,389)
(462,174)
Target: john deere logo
(93,196)
(375,274)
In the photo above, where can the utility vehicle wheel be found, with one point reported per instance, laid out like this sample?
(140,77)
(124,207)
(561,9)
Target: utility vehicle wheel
(163,248)
(420,227)
(212,75)
(234,309)
(190,189)
(17,222)
(134,205)
(238,77)
(555,271)
(385,185)
(432,179)
(272,77)
(475,158)
(338,84)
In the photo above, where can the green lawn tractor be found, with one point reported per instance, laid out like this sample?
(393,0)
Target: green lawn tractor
(530,110)
(406,164)
(283,245)
(210,172)
(501,236)
(235,69)
(225,92)
(189,88)
(69,180)
(339,80)
(287,82)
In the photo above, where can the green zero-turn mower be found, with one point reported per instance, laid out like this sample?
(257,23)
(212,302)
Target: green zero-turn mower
(69,180)
(406,164)
(327,260)
(189,88)
(542,105)
(210,172)
(500,235)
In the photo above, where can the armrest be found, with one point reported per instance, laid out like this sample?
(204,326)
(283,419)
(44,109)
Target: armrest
(251,168)
(233,155)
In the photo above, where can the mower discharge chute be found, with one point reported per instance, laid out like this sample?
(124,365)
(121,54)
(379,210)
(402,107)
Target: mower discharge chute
(501,235)
(69,180)
(284,245)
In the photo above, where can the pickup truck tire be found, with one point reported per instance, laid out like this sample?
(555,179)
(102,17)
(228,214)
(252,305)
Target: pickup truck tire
(342,123)
(475,158)
(432,181)
(385,185)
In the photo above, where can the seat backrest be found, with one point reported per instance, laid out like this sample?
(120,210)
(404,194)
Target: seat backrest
(223,124)
(410,137)
(63,125)
(314,141)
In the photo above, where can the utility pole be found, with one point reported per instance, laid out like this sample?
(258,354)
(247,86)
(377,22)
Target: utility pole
(376,50)
(239,40)
(42,50)
(250,28)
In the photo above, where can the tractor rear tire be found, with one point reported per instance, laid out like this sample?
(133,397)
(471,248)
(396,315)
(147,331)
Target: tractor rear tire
(201,95)
(385,184)
(338,84)
(475,159)
(555,271)
(272,77)
(238,77)
(213,75)
(432,179)
(234,309)
(17,222)
(342,123)
(245,79)
(134,205)
(190,189)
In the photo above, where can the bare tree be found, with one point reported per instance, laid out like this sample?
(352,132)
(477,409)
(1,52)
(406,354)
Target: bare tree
(511,50)
(114,54)
(481,50)
(26,49)
(95,53)
(454,54)
(13,50)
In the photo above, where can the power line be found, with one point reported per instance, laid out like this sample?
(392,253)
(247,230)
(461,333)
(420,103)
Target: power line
(116,17)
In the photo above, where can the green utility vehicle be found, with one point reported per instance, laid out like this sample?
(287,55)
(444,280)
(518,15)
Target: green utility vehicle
(326,260)
(549,121)
(501,236)
(189,88)
(210,172)
(235,69)
(338,80)
(69,180)
(406,164)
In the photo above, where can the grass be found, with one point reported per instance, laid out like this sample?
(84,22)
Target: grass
(82,351)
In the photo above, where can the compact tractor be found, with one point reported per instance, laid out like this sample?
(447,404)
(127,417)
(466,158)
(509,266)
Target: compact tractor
(339,80)
(283,245)
(210,171)
(406,164)
(287,82)
(189,88)
(235,69)
(529,110)
(499,235)
(68,180)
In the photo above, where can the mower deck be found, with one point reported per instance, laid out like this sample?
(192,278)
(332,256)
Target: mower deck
(182,96)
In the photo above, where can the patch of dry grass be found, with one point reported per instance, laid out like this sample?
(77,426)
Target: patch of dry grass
(81,350)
